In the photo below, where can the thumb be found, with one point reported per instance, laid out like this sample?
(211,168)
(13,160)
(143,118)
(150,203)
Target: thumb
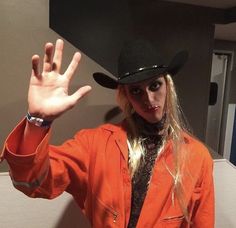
(75,97)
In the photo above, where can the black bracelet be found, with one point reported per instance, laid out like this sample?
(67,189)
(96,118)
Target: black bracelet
(38,121)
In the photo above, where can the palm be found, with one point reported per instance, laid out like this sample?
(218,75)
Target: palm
(48,91)
(48,96)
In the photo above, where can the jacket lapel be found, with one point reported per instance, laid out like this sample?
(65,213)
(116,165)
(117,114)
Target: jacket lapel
(120,137)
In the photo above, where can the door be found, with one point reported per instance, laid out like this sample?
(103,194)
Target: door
(216,99)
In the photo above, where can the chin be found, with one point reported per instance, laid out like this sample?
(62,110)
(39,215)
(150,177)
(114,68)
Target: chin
(151,117)
(152,120)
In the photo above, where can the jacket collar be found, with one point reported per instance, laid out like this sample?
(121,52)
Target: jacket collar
(120,135)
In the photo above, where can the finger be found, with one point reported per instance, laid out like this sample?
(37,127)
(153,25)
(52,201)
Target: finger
(81,92)
(73,65)
(47,57)
(35,65)
(57,59)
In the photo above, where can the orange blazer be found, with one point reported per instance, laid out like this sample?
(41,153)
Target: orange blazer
(93,167)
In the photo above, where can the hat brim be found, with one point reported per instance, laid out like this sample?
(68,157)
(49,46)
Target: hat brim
(105,80)
(174,67)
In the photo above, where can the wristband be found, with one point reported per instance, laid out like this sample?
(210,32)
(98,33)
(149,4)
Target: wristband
(38,121)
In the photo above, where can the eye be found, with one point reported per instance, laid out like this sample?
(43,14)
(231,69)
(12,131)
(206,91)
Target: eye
(155,86)
(135,91)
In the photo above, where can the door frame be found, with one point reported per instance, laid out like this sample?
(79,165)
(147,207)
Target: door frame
(228,76)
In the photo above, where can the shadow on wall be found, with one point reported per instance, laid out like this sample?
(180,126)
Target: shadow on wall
(83,117)
(112,114)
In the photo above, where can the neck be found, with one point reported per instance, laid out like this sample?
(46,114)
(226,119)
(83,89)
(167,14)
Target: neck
(146,128)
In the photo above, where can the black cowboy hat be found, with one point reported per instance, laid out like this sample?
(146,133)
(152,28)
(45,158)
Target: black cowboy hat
(139,61)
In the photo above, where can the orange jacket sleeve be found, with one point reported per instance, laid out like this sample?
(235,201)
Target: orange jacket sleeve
(49,170)
(204,210)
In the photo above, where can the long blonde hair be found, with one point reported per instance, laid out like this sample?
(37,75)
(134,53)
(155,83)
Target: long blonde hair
(174,126)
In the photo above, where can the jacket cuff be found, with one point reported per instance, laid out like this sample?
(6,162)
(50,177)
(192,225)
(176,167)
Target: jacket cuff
(13,142)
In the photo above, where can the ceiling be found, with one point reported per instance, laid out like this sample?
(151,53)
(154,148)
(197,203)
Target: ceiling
(222,32)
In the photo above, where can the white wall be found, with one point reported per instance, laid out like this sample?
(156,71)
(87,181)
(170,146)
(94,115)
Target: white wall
(229,131)
(24,26)
(19,211)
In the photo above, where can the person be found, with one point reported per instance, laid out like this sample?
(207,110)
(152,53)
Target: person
(147,171)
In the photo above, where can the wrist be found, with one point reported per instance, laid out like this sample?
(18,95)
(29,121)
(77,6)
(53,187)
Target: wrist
(37,121)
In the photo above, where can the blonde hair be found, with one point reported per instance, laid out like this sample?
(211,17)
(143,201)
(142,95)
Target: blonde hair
(174,126)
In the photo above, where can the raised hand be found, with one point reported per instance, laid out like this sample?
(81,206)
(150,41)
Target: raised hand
(48,95)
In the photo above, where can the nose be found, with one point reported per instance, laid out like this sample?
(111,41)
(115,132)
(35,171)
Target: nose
(148,97)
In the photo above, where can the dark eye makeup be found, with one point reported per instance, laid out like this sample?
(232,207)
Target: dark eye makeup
(155,85)
(135,91)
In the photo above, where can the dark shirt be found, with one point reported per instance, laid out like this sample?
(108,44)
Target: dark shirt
(151,142)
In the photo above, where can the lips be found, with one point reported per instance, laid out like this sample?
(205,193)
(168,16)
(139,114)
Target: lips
(152,108)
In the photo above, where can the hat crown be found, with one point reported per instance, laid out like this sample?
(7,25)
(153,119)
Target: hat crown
(135,55)
(139,61)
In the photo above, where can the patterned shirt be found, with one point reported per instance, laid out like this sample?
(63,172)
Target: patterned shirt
(151,142)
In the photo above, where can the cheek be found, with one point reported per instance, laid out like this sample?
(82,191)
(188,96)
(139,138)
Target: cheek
(163,99)
(162,96)
(134,102)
